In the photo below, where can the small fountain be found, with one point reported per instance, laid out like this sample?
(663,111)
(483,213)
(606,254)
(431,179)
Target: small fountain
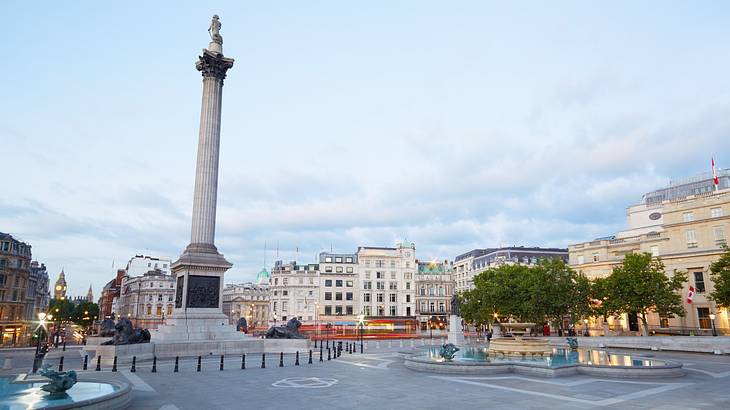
(518,345)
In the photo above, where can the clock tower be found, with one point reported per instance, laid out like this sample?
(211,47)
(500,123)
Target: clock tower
(59,290)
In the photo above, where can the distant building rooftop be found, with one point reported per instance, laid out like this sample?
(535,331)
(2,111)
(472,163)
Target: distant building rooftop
(685,187)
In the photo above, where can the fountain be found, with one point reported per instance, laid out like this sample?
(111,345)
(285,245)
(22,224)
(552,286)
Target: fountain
(518,345)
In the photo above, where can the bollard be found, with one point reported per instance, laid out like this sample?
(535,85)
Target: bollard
(199,359)
(328,343)
(86,362)
(221,363)
(310,357)
(98,363)
(328,354)
(321,350)
(263,360)
(60,365)
(296,362)
(281,359)
(177,359)
(243,362)
(154,364)
(64,346)
(114,365)
(315,343)
(134,364)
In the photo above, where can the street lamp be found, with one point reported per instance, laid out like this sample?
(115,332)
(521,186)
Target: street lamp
(712,320)
(585,326)
(41,329)
(274,318)
(361,324)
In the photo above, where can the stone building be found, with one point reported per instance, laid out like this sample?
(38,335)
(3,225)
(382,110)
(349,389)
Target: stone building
(476,261)
(294,291)
(16,303)
(141,264)
(110,293)
(247,300)
(387,286)
(338,279)
(686,225)
(38,288)
(435,288)
(59,289)
(147,299)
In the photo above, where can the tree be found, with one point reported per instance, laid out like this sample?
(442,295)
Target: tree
(558,291)
(61,309)
(721,277)
(85,313)
(640,285)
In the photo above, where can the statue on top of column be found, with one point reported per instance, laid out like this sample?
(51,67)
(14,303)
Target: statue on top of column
(214,30)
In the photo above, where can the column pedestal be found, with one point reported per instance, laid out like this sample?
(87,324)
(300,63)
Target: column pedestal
(456,332)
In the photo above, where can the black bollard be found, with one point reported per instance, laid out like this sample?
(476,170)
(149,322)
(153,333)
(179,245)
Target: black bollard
(296,362)
(310,357)
(361,352)
(328,354)
(321,351)
(243,362)
(221,363)
(177,359)
(281,359)
(86,362)
(60,365)
(134,364)
(199,359)
(263,360)
(154,364)
(114,366)
(328,343)
(315,343)
(98,363)
(64,346)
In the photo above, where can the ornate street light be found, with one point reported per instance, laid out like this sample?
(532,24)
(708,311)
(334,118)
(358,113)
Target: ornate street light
(712,320)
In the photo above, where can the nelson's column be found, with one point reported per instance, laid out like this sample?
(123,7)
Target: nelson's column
(198,313)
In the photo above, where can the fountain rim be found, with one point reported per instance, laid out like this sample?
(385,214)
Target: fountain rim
(122,388)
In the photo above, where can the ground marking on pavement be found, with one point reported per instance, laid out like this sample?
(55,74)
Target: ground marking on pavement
(305,382)
(382,366)
(713,374)
(137,383)
(662,387)
(169,407)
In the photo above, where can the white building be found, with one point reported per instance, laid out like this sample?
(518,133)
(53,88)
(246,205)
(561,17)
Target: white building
(338,295)
(294,292)
(387,285)
(147,299)
(141,264)
(247,300)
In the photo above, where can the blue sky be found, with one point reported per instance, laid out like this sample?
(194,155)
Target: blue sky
(454,124)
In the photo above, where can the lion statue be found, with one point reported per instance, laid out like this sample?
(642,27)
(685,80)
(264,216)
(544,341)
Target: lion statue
(126,334)
(290,331)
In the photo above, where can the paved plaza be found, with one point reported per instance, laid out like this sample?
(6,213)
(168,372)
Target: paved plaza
(378,379)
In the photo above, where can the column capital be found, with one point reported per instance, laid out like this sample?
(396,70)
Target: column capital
(212,64)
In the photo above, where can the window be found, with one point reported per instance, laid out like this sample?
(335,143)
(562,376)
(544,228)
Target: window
(348,296)
(408,285)
(159,298)
(431,307)
(392,275)
(274,306)
(699,282)
(581,260)
(366,297)
(338,259)
(367,274)
(366,310)
(367,284)
(392,297)
(328,283)
(392,264)
(716,212)
(285,293)
(284,306)
(327,295)
(169,310)
(719,235)
(285,281)
(703,317)
(349,283)
(378,275)
(328,310)
(328,269)
(654,250)
(348,259)
(691,238)
(367,262)
(595,257)
(381,285)
(688,217)
(338,296)
(338,310)
(276,281)
(380,297)
(159,311)
(338,283)
(663,322)
(393,285)
(338,269)
(441,307)
(408,298)
(423,307)
(379,263)
(349,310)
(349,269)
(149,310)
(392,311)
(328,259)
(408,276)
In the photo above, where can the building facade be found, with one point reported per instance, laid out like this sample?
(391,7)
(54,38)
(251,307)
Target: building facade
(16,304)
(686,225)
(141,264)
(247,300)
(294,291)
(59,288)
(387,284)
(476,261)
(147,299)
(435,287)
(38,288)
(110,294)
(338,278)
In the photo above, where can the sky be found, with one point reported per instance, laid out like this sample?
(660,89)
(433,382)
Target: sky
(456,125)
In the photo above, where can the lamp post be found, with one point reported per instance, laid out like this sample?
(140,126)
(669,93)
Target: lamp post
(274,318)
(316,321)
(585,327)
(360,324)
(41,329)
(712,320)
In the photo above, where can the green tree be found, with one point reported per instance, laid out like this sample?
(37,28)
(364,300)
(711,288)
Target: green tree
(640,285)
(721,277)
(85,313)
(558,291)
(61,309)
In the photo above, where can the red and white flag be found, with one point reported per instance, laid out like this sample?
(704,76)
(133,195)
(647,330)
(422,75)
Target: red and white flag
(715,180)
(690,294)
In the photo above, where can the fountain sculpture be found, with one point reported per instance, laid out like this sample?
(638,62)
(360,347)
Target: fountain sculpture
(518,345)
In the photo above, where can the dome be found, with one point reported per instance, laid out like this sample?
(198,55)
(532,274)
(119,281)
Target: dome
(263,277)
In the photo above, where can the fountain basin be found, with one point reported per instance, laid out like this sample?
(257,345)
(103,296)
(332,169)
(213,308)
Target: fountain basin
(562,362)
(25,393)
